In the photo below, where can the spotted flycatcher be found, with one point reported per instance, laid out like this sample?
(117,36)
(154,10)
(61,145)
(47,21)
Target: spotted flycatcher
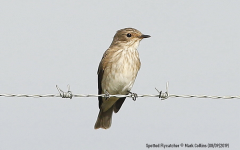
(117,72)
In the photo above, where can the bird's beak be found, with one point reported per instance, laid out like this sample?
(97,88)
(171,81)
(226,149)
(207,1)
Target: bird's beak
(145,36)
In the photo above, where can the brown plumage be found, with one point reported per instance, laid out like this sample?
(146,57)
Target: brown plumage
(117,72)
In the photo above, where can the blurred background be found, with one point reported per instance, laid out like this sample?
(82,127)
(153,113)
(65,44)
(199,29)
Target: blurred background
(194,46)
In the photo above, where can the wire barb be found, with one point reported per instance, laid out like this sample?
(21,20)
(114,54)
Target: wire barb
(63,94)
(162,95)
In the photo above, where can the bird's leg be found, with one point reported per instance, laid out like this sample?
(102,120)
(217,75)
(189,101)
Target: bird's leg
(133,95)
(106,94)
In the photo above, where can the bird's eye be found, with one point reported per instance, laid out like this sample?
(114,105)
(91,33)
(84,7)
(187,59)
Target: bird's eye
(129,35)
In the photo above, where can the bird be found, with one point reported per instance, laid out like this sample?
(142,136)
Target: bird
(117,72)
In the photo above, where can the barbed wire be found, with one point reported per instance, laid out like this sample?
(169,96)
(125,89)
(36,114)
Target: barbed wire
(161,95)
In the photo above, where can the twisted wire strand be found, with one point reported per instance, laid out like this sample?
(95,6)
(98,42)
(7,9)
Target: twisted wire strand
(103,95)
(161,95)
(205,96)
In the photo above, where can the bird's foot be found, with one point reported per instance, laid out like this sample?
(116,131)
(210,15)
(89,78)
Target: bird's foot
(106,96)
(133,95)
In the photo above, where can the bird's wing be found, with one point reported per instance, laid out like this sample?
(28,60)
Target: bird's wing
(100,73)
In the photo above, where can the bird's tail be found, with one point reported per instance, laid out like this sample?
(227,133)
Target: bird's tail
(104,119)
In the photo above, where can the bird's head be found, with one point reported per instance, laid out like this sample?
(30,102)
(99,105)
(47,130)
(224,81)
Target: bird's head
(128,37)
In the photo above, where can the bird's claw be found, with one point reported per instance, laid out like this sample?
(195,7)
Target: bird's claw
(134,96)
(106,95)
